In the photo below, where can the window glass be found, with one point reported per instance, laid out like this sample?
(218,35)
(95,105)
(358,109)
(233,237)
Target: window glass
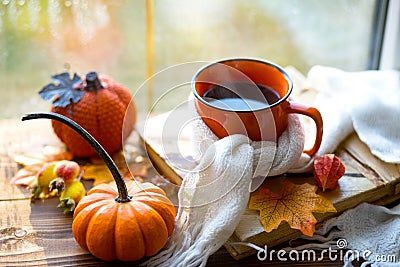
(291,32)
(39,38)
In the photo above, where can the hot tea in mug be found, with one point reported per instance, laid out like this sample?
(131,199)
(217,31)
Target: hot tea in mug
(250,97)
(240,96)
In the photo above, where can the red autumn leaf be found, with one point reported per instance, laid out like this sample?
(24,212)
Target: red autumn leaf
(294,204)
(328,169)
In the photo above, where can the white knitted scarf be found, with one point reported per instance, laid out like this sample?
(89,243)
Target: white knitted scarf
(214,196)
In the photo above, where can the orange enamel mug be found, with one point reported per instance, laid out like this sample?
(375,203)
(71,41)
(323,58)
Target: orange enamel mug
(266,122)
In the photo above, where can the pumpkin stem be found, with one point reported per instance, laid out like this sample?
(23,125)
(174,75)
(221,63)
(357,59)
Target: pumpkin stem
(122,190)
(92,81)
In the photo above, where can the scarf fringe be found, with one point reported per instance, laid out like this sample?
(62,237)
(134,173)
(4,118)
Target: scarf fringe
(183,249)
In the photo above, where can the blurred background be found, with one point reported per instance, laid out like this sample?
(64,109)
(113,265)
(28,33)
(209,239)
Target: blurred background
(40,38)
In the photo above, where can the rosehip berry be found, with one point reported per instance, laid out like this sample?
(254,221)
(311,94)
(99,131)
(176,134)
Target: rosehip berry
(71,195)
(68,170)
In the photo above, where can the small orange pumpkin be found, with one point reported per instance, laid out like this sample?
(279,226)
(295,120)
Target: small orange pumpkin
(97,103)
(126,231)
(118,221)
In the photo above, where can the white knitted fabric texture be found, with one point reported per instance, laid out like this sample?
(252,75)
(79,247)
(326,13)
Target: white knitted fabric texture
(370,232)
(367,102)
(214,196)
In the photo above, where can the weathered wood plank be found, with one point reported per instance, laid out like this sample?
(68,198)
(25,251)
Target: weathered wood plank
(39,234)
(21,137)
(16,138)
(7,170)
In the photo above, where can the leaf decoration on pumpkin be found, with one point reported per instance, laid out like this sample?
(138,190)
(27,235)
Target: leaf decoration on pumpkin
(63,91)
(294,204)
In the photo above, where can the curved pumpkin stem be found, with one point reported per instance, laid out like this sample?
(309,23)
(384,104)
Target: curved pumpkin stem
(122,190)
(92,81)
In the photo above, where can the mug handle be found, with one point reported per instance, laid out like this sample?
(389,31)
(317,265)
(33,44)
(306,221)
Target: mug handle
(314,114)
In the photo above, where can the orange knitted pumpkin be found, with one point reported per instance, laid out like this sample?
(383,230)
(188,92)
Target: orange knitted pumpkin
(97,103)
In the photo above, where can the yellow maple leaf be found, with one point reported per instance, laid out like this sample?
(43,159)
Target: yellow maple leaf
(98,172)
(294,204)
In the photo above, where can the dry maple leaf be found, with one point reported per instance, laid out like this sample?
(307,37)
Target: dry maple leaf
(101,174)
(294,204)
(98,172)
